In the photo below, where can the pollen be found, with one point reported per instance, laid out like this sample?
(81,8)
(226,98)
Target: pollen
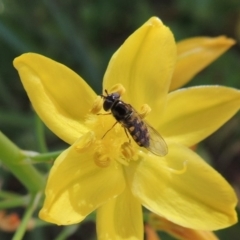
(85,142)
(101,160)
(110,140)
(101,157)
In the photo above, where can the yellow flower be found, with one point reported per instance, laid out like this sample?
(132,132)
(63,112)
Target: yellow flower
(111,175)
(196,53)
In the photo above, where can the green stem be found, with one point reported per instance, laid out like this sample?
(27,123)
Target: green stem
(8,195)
(27,216)
(40,131)
(13,202)
(67,231)
(45,157)
(12,157)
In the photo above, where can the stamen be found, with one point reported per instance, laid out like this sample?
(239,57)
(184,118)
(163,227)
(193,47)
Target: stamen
(97,105)
(181,171)
(117,88)
(101,160)
(145,110)
(128,154)
(85,142)
(127,150)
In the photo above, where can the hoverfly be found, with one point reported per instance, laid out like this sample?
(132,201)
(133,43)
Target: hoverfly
(142,133)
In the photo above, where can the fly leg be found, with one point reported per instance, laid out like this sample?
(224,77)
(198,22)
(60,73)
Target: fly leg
(129,139)
(109,130)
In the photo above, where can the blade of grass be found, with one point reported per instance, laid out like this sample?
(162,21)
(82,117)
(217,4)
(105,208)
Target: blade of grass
(12,39)
(79,47)
(27,216)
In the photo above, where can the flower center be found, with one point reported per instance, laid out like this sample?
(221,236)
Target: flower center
(109,141)
(106,119)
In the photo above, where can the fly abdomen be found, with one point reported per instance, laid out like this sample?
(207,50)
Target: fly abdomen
(138,131)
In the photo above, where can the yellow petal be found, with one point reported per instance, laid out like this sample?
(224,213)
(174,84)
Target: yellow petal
(192,114)
(76,186)
(194,54)
(120,218)
(60,97)
(144,66)
(185,190)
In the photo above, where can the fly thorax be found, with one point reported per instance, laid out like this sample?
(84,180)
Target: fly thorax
(120,111)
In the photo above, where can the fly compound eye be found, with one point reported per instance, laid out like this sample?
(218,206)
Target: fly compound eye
(109,100)
(107,104)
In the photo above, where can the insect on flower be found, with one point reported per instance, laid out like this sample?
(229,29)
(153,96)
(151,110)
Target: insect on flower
(142,133)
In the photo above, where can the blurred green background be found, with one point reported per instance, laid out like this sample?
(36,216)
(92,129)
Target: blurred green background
(83,35)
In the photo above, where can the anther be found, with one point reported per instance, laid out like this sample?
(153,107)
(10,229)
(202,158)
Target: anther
(101,160)
(117,88)
(144,111)
(101,156)
(85,142)
(127,150)
(97,105)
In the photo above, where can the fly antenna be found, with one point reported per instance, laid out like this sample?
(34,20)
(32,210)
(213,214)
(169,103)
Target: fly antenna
(103,96)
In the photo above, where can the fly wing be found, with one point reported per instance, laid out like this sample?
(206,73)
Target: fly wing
(157,145)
